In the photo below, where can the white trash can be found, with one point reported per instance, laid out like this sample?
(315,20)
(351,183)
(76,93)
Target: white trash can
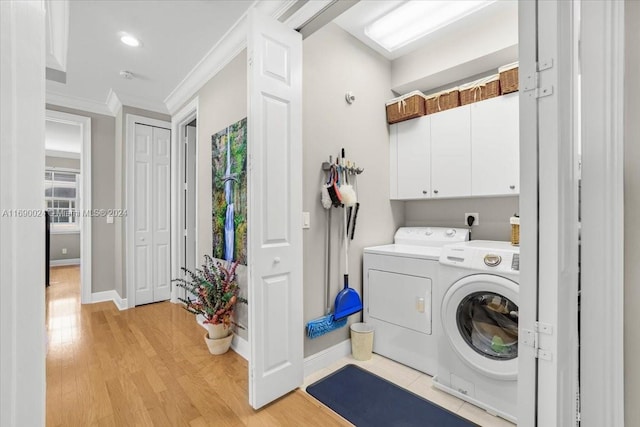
(361,341)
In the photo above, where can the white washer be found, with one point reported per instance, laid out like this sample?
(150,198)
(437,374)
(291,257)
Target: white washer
(398,283)
(478,342)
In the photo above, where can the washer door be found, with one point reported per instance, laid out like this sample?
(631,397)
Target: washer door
(480,319)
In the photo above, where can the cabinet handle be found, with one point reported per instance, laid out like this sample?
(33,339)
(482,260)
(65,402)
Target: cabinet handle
(435,191)
(513,187)
(424,191)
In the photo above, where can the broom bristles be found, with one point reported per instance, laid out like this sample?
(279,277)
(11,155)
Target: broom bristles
(324,325)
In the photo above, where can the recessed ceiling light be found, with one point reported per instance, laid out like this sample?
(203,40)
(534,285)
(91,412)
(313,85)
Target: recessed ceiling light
(129,40)
(417,18)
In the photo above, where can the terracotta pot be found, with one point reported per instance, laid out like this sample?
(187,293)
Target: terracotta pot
(218,346)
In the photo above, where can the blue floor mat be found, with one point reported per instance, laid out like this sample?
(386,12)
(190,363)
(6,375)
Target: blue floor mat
(367,400)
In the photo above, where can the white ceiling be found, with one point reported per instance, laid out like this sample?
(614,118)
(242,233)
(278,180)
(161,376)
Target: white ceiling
(175,36)
(355,19)
(62,138)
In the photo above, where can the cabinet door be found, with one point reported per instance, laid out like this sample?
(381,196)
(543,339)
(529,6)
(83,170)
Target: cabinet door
(413,165)
(495,146)
(451,153)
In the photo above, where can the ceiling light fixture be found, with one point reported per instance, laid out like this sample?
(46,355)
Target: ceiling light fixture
(129,40)
(417,18)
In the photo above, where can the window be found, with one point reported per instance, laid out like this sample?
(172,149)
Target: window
(61,197)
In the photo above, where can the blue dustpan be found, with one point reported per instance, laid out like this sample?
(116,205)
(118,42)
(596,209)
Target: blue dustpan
(347,302)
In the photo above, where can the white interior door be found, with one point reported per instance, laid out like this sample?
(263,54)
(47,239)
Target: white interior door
(276,327)
(151,257)
(548,351)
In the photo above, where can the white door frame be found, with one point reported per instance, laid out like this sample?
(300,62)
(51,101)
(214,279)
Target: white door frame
(131,121)
(85,196)
(602,303)
(178,123)
(22,287)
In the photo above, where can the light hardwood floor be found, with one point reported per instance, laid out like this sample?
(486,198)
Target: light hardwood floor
(149,366)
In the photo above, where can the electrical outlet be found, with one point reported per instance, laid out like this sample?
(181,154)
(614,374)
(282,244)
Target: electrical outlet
(64,251)
(468,216)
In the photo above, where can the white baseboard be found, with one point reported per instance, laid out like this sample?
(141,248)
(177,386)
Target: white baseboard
(240,346)
(61,262)
(326,357)
(111,295)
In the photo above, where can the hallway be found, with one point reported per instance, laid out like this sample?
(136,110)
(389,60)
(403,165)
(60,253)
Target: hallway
(148,366)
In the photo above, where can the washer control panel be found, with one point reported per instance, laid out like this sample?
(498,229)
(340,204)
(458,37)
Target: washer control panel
(482,255)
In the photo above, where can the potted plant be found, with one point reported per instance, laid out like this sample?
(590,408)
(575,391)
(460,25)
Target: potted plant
(213,292)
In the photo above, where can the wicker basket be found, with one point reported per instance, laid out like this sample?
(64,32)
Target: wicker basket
(485,88)
(443,100)
(509,78)
(515,230)
(406,107)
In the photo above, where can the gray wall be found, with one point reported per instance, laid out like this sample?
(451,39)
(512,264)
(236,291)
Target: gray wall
(494,214)
(222,101)
(329,123)
(70,241)
(103,196)
(631,207)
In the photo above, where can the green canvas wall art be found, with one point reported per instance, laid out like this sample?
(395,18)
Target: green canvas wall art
(229,179)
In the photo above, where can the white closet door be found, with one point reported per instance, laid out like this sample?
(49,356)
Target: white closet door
(151,214)
(451,153)
(190,197)
(276,325)
(161,187)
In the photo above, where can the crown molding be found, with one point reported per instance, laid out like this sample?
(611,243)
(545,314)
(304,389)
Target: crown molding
(142,103)
(113,102)
(77,103)
(229,46)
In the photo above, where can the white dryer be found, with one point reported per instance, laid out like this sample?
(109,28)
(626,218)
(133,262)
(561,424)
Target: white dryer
(397,296)
(478,342)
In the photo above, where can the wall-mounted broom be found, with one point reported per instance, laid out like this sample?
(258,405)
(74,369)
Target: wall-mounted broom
(327,323)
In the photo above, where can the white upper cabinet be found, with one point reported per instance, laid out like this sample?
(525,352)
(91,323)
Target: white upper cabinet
(451,153)
(466,151)
(494,146)
(413,151)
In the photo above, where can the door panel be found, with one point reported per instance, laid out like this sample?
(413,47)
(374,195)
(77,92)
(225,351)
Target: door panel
(414,166)
(276,327)
(495,150)
(152,214)
(451,152)
(143,261)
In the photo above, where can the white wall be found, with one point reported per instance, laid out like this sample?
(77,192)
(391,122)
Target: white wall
(334,62)
(22,307)
(222,101)
(491,41)
(632,207)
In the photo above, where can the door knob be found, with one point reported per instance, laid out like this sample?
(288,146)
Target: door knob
(276,260)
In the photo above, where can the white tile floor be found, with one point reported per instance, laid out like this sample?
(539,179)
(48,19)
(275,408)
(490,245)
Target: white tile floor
(416,382)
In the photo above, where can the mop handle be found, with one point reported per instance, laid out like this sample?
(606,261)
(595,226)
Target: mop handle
(346,244)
